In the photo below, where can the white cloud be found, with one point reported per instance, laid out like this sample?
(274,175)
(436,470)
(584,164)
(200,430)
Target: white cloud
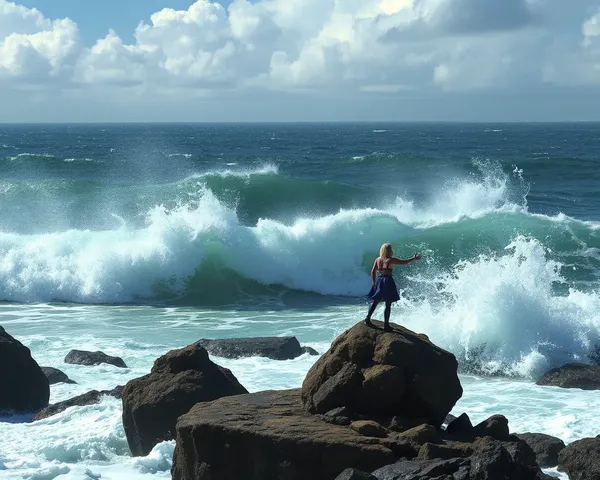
(32,46)
(368,47)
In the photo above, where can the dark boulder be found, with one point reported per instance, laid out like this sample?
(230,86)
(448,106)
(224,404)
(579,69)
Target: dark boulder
(496,460)
(81,357)
(546,448)
(310,351)
(573,375)
(581,459)
(269,435)
(178,380)
(54,376)
(424,469)
(354,474)
(338,416)
(421,435)
(460,427)
(89,398)
(434,451)
(384,374)
(275,348)
(369,428)
(485,459)
(496,427)
(23,386)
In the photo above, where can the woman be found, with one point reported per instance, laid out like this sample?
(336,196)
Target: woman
(383,287)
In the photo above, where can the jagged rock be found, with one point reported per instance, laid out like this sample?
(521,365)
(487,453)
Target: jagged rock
(178,380)
(496,427)
(369,428)
(23,386)
(421,435)
(310,351)
(581,459)
(55,376)
(573,375)
(338,416)
(269,435)
(353,474)
(81,357)
(275,348)
(89,398)
(384,374)
(401,424)
(449,418)
(546,448)
(423,469)
(496,460)
(433,451)
(460,426)
(485,459)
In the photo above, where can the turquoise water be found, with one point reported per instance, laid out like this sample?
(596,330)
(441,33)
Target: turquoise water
(136,239)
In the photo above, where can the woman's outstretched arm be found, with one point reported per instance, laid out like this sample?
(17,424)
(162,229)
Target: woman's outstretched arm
(399,261)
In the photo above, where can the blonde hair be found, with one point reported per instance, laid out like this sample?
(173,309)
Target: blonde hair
(386,251)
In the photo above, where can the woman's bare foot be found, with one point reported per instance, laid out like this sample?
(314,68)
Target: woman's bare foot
(368,322)
(387,328)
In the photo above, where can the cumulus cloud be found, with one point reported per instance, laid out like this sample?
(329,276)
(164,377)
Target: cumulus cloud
(31,46)
(371,47)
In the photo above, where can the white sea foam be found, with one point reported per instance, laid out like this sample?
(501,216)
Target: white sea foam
(503,302)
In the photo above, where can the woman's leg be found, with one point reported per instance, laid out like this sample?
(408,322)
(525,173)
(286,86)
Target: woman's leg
(386,315)
(371,310)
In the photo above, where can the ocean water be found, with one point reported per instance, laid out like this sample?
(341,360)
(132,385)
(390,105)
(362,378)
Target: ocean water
(137,239)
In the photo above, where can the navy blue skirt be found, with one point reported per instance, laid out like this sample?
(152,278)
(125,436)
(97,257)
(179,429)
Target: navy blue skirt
(384,289)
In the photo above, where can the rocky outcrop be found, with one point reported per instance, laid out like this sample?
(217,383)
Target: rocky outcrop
(397,373)
(23,386)
(461,429)
(178,380)
(89,398)
(269,435)
(489,460)
(371,408)
(275,348)
(55,376)
(81,357)
(546,448)
(581,459)
(354,474)
(573,375)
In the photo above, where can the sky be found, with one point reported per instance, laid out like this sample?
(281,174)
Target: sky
(299,60)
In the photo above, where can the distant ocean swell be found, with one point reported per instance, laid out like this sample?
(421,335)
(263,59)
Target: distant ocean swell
(508,290)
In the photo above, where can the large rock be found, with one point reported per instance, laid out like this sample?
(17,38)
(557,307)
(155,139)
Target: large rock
(546,448)
(489,460)
(55,376)
(23,386)
(573,375)
(581,459)
(455,468)
(269,435)
(275,348)
(178,380)
(89,398)
(396,373)
(354,474)
(495,460)
(81,357)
